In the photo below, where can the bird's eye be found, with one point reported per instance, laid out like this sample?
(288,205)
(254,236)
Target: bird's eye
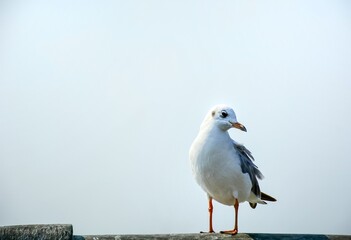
(224,114)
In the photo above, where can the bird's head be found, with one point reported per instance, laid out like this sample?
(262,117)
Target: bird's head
(223,117)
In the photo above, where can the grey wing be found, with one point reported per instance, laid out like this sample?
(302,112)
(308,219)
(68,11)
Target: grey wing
(247,166)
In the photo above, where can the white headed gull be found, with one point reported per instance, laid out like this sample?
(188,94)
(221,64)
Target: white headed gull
(223,167)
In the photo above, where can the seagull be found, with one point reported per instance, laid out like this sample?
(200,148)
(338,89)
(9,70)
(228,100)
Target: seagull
(224,168)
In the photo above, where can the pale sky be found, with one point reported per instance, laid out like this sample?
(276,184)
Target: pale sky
(100,101)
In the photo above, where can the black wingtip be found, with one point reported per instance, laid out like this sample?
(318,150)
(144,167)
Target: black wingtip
(266,197)
(253,205)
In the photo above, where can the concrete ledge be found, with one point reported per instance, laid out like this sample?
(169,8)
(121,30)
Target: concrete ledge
(40,232)
(65,232)
(189,236)
(216,236)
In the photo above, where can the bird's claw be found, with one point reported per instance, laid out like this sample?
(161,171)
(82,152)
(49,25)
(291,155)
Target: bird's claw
(231,232)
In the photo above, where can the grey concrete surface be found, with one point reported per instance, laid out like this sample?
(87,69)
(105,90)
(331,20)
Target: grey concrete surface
(38,232)
(65,232)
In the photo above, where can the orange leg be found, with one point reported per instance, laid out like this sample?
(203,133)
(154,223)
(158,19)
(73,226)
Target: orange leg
(235,230)
(210,210)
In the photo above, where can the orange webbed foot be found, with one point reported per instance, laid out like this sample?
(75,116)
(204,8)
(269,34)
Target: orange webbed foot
(231,232)
(208,232)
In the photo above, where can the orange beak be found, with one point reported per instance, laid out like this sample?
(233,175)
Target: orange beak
(239,126)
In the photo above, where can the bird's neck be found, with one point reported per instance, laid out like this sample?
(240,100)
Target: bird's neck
(213,131)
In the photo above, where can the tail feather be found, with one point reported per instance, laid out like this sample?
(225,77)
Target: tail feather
(266,197)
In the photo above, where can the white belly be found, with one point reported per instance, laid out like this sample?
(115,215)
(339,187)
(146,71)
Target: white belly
(218,172)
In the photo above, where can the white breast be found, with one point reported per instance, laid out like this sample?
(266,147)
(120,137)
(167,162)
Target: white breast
(216,167)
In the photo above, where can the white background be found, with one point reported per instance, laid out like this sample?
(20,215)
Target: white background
(100,101)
